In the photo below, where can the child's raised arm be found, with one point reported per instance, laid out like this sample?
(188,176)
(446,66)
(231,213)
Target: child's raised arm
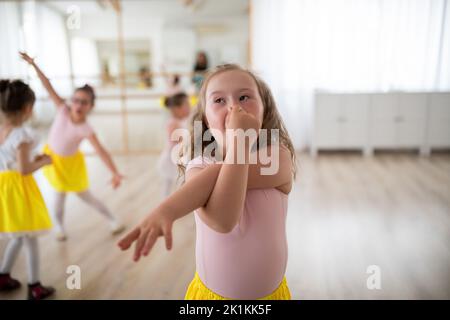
(57,100)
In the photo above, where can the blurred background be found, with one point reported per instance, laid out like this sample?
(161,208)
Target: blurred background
(364,89)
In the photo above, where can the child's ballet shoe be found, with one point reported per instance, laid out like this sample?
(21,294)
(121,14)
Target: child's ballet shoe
(7,283)
(117,228)
(38,292)
(60,236)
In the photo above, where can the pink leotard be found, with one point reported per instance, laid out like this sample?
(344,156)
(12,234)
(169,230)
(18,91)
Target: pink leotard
(65,136)
(250,261)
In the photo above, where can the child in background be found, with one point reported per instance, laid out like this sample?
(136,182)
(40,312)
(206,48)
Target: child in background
(23,214)
(179,108)
(68,171)
(173,85)
(240,214)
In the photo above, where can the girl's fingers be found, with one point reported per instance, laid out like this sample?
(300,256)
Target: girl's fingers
(150,242)
(139,244)
(126,241)
(168,236)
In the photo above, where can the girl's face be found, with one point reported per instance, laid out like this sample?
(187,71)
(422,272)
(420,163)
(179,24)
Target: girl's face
(81,105)
(227,89)
(182,111)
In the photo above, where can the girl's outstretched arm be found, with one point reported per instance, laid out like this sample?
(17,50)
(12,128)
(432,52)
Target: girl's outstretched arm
(107,160)
(192,195)
(57,100)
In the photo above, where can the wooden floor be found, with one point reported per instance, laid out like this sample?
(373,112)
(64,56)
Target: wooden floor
(346,212)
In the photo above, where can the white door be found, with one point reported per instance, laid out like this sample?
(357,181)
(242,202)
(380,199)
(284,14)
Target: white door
(326,128)
(354,120)
(439,120)
(383,114)
(411,119)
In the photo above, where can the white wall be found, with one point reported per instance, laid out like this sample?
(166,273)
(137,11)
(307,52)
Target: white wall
(228,45)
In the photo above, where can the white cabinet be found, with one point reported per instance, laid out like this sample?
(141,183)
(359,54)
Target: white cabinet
(412,120)
(438,129)
(397,120)
(338,122)
(370,121)
(383,119)
(328,111)
(355,109)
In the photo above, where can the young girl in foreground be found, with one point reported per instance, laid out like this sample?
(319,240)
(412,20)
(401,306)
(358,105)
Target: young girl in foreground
(68,171)
(240,214)
(23,214)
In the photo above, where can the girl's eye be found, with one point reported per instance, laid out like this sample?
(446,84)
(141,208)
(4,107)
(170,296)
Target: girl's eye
(244,98)
(219,100)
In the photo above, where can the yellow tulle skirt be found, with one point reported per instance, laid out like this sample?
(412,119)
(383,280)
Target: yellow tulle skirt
(22,208)
(198,291)
(66,173)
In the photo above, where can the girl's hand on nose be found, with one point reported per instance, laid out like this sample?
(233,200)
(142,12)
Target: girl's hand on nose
(238,118)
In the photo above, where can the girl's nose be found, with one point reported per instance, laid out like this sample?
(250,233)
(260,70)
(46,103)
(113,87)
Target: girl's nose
(233,105)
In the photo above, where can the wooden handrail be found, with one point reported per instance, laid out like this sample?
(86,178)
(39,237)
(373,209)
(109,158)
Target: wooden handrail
(118,96)
(128,74)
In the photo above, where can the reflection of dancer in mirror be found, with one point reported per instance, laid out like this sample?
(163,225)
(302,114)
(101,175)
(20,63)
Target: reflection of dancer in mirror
(145,78)
(68,171)
(173,85)
(200,67)
(23,214)
(240,213)
(179,108)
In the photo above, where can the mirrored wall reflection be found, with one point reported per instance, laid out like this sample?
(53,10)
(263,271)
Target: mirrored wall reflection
(132,52)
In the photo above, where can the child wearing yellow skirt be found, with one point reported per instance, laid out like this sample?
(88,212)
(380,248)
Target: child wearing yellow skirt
(240,207)
(68,173)
(23,214)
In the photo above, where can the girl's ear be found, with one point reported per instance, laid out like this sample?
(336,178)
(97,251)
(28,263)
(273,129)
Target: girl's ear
(29,110)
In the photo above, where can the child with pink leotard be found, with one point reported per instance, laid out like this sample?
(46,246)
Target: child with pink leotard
(240,212)
(68,172)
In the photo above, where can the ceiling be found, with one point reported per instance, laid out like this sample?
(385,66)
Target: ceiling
(168,10)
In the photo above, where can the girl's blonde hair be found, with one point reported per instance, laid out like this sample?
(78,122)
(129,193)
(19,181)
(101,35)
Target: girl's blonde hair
(271,117)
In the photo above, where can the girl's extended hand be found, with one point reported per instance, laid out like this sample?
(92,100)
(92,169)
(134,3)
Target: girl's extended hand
(26,57)
(157,224)
(116,180)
